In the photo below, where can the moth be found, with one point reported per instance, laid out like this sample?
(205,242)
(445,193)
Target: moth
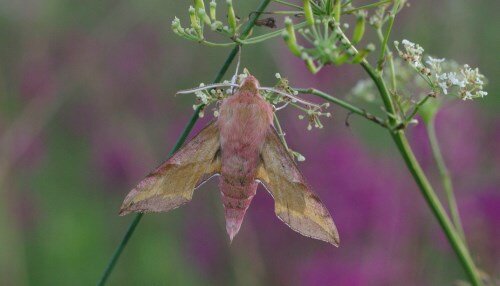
(242,147)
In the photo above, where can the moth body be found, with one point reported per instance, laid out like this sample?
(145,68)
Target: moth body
(244,120)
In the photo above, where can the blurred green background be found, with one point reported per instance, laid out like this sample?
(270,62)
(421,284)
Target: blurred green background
(87,108)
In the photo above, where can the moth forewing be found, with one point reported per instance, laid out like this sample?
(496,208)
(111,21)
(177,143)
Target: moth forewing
(173,182)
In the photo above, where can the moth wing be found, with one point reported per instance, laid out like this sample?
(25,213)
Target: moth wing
(173,182)
(295,203)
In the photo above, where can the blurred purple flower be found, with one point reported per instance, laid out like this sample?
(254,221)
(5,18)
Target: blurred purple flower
(133,69)
(118,161)
(458,136)
(481,217)
(204,243)
(27,151)
(37,78)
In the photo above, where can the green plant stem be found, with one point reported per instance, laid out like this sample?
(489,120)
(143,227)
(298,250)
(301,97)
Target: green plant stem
(445,177)
(344,104)
(384,51)
(138,217)
(420,178)
(280,131)
(418,174)
(416,109)
(367,6)
(287,4)
(261,38)
(133,225)
(249,41)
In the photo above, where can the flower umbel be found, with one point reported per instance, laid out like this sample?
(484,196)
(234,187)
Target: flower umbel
(443,76)
(411,53)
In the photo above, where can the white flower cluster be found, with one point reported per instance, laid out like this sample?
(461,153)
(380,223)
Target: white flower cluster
(412,53)
(313,116)
(206,97)
(378,18)
(364,89)
(468,82)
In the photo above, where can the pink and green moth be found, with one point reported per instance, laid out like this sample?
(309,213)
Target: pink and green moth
(244,149)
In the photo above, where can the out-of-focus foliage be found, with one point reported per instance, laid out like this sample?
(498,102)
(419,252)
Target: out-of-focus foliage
(87,109)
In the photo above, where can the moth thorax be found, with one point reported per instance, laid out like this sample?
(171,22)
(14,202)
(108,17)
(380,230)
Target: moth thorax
(250,84)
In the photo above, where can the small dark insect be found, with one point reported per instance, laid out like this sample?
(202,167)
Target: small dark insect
(268,22)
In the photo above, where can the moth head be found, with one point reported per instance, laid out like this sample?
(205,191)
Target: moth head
(250,84)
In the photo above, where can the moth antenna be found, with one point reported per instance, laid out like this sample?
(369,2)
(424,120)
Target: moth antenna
(201,88)
(294,98)
(235,76)
(281,107)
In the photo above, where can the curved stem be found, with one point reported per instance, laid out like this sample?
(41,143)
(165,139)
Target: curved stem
(119,249)
(133,225)
(419,176)
(382,88)
(287,4)
(367,6)
(416,109)
(445,177)
(264,37)
(138,217)
(280,131)
(344,104)
(384,51)
(426,189)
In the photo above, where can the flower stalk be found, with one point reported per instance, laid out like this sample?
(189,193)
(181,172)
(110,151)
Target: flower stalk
(445,177)
(426,189)
(344,104)
(133,225)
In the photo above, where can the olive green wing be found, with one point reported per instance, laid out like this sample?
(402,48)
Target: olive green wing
(173,182)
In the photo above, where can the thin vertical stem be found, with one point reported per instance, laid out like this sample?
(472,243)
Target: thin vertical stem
(425,187)
(281,134)
(436,207)
(445,177)
(119,249)
(138,217)
(419,176)
(133,225)
(384,51)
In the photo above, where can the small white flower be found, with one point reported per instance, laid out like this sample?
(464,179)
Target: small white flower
(277,75)
(443,86)
(431,60)
(202,96)
(455,80)
(412,53)
(364,90)
(300,157)
(481,93)
(434,64)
